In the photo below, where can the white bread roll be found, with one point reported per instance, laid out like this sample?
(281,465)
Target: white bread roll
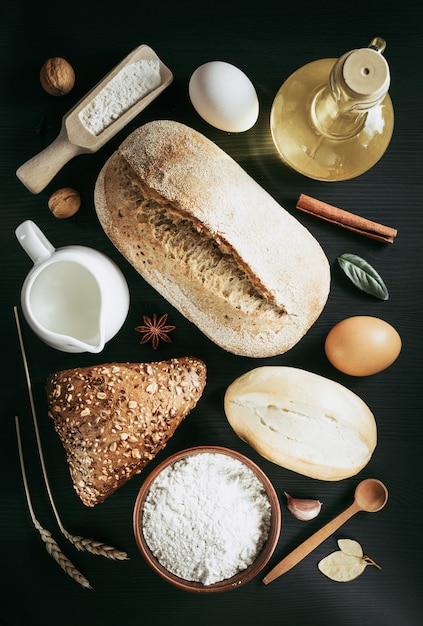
(302,421)
(210,240)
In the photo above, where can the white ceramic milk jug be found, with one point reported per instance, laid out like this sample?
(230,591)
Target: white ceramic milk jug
(74,298)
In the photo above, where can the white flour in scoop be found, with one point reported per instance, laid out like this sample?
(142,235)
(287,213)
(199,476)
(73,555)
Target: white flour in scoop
(133,82)
(206,517)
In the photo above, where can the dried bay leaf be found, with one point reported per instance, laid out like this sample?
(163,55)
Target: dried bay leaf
(342,567)
(363,275)
(349,546)
(347,563)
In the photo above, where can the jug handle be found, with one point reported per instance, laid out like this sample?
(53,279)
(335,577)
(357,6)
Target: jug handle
(34,242)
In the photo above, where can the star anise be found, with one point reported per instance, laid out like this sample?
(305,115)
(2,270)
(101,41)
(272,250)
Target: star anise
(155,330)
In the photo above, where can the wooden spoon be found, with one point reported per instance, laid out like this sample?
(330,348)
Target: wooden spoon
(371,495)
(74,138)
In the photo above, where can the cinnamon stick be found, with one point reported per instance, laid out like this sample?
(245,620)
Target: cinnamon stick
(345,219)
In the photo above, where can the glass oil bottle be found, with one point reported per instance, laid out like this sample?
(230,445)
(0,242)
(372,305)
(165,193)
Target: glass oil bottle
(333,119)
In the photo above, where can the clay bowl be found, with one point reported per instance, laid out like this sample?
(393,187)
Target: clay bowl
(230,583)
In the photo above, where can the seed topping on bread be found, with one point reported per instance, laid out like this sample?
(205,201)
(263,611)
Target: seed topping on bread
(113,419)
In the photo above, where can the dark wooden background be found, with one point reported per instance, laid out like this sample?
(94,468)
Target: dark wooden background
(268,41)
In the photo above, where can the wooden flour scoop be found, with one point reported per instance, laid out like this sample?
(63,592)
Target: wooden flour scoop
(75,138)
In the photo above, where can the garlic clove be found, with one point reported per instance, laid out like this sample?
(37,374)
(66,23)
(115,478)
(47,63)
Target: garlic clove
(302,508)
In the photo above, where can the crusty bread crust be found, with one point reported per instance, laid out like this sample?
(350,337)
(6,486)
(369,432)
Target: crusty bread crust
(213,242)
(112,419)
(302,421)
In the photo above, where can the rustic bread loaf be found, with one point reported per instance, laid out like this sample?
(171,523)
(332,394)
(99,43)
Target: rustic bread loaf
(114,418)
(213,242)
(302,421)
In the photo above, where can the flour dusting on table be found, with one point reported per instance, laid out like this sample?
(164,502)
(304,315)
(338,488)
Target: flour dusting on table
(206,517)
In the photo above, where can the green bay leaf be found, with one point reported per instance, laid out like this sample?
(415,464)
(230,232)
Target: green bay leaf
(363,275)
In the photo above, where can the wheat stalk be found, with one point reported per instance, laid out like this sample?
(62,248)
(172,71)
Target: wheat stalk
(51,545)
(88,545)
(95,547)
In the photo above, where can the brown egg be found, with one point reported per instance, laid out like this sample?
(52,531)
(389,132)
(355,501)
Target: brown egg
(362,345)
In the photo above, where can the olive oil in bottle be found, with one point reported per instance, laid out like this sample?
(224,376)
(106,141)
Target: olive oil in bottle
(333,119)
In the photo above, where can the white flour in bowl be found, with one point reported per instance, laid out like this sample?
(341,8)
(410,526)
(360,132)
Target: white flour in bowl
(206,517)
(133,82)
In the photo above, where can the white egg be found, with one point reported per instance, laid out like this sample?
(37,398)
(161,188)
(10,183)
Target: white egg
(224,96)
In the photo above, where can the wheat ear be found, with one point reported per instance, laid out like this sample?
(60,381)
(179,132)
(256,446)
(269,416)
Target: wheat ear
(89,545)
(51,545)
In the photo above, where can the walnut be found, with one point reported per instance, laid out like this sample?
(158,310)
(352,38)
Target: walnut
(64,202)
(57,76)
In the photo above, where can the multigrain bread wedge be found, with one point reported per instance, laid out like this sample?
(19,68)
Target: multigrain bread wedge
(113,419)
(210,240)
